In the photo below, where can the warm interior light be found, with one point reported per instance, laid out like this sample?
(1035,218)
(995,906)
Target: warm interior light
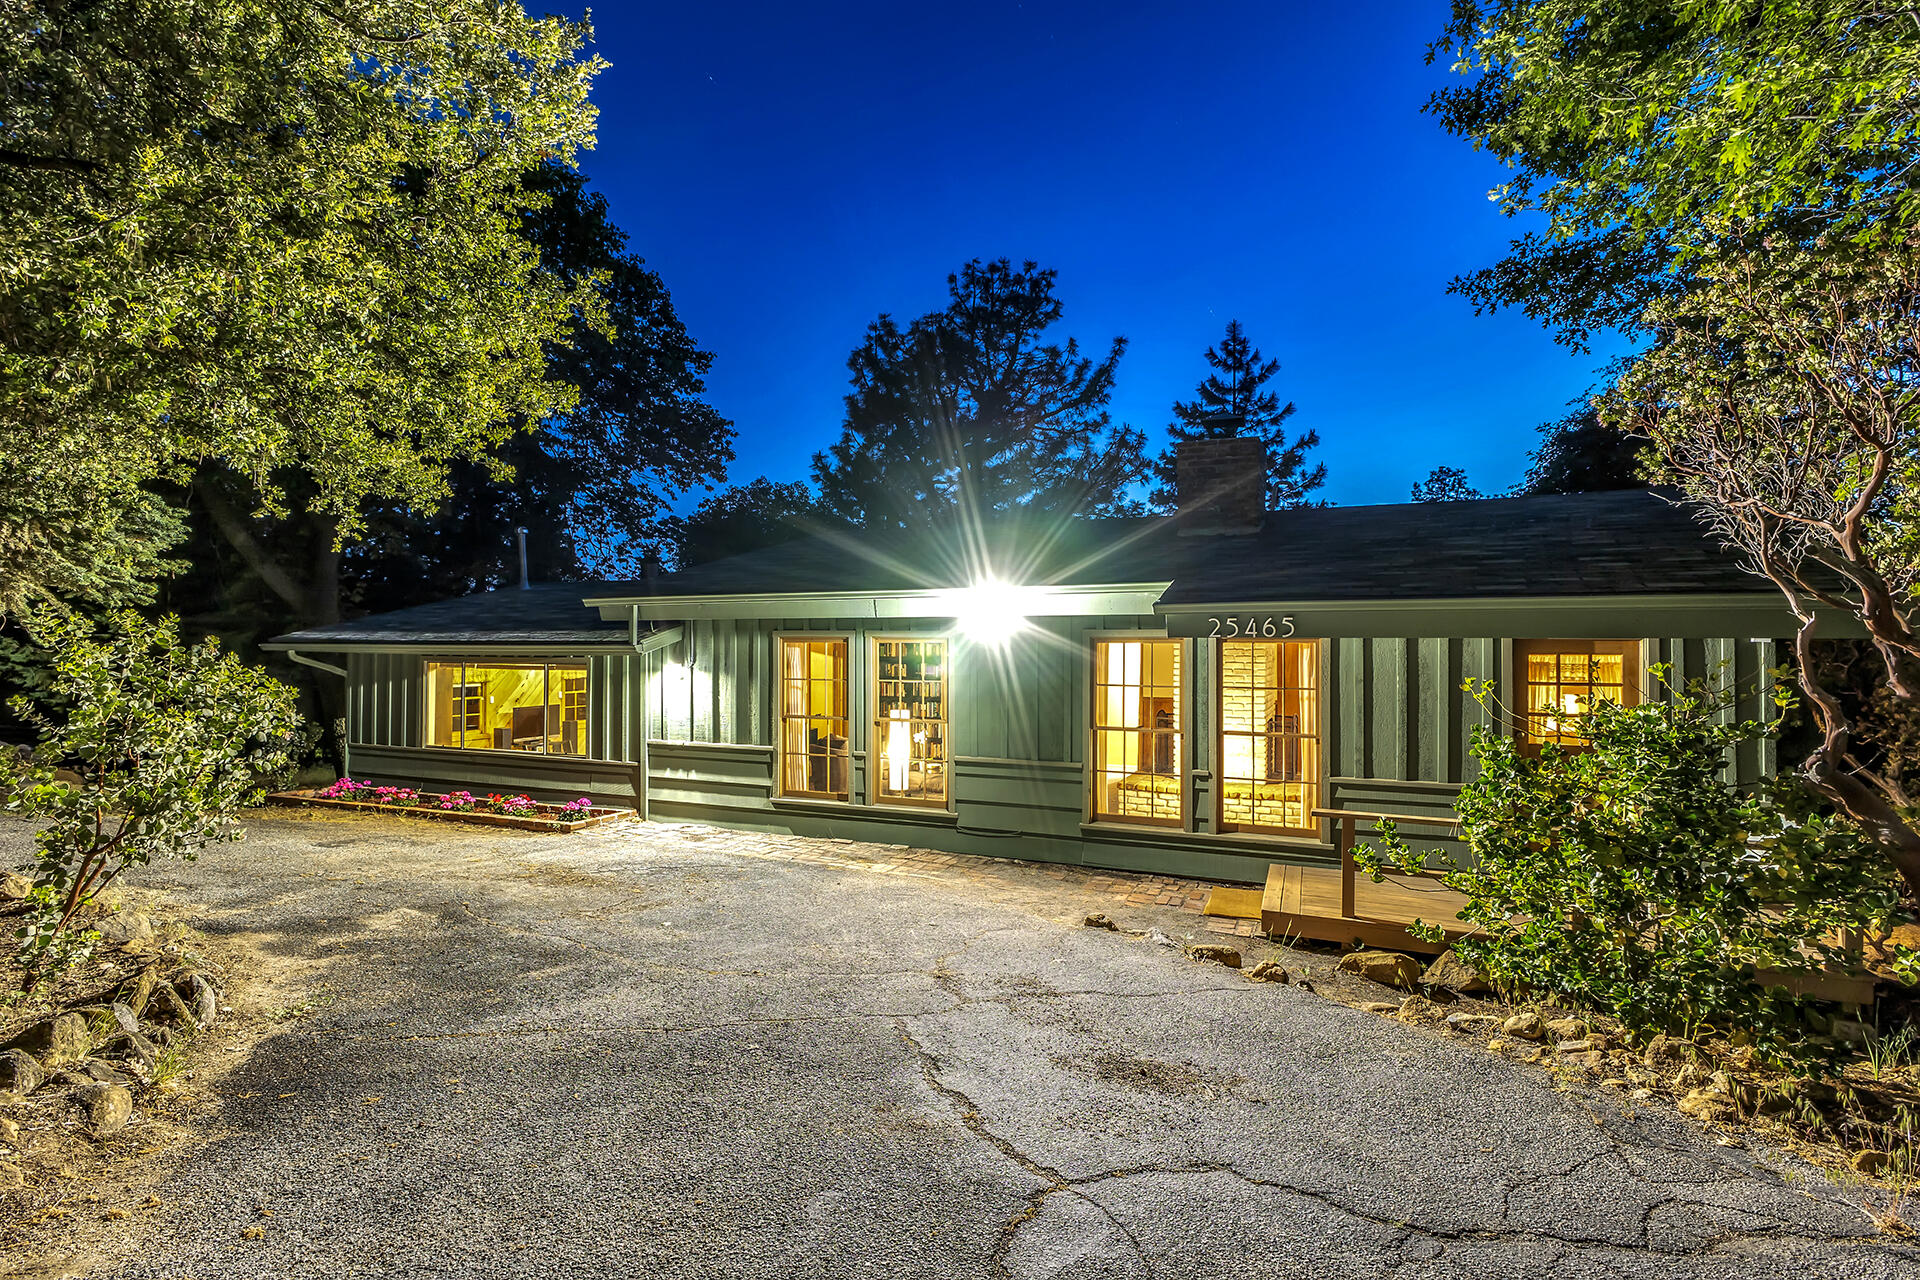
(992,612)
(898,754)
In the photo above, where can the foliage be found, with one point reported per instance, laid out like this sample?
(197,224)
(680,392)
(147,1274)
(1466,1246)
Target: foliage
(1783,395)
(1446,484)
(168,741)
(968,411)
(1734,185)
(1233,400)
(1634,876)
(744,517)
(267,235)
(1581,454)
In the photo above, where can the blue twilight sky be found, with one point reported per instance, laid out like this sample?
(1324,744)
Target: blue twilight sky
(792,171)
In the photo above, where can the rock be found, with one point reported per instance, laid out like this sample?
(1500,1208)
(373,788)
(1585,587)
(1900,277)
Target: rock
(1381,1006)
(126,929)
(1387,967)
(62,1038)
(20,1072)
(109,1106)
(1527,1026)
(1567,1029)
(1268,971)
(1664,1048)
(103,1072)
(11,1179)
(1097,920)
(1158,937)
(1228,956)
(206,1005)
(167,1003)
(137,1047)
(1305,984)
(1418,1009)
(138,990)
(9,1131)
(1500,1045)
(124,1018)
(1574,1046)
(1870,1162)
(1470,1022)
(1455,974)
(1704,1104)
(15,887)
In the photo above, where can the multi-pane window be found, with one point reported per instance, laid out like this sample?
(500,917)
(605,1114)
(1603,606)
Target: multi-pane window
(910,721)
(533,706)
(1269,734)
(1137,722)
(1561,680)
(813,719)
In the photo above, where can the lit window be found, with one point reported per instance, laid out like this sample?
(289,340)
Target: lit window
(813,719)
(1269,735)
(1137,723)
(1561,680)
(910,720)
(536,706)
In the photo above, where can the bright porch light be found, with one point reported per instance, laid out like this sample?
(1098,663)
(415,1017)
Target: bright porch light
(992,612)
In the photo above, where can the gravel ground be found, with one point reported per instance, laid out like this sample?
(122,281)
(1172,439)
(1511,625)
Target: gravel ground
(645,1052)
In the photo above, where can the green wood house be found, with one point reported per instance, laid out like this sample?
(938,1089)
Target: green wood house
(1174,694)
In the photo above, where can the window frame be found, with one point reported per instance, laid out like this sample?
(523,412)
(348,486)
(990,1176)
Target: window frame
(781,639)
(1090,730)
(1632,676)
(876,794)
(458,713)
(1313,828)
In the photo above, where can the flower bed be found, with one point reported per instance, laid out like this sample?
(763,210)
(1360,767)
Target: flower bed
(492,809)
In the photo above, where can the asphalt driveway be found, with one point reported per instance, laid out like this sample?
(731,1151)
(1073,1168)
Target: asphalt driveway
(661,1053)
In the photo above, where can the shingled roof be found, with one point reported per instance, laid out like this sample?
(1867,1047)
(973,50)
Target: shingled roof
(546,613)
(1574,545)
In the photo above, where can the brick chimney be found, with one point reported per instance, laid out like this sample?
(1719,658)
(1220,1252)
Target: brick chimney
(1220,484)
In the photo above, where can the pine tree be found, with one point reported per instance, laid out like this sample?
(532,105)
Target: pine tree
(1234,401)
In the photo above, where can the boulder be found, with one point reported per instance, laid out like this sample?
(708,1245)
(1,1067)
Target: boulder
(126,929)
(1664,1048)
(1228,956)
(1098,920)
(15,887)
(103,1072)
(1387,967)
(61,1038)
(125,1019)
(1525,1026)
(167,1003)
(109,1107)
(1454,974)
(1567,1029)
(204,1002)
(1268,971)
(20,1072)
(1470,1022)
(1871,1162)
(1705,1104)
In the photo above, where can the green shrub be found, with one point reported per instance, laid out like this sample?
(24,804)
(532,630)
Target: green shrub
(167,741)
(1634,877)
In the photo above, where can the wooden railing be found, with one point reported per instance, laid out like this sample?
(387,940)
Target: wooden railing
(1346,827)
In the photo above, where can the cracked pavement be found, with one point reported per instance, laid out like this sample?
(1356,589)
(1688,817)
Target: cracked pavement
(640,1051)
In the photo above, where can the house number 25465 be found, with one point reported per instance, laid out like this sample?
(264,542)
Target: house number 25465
(1265,627)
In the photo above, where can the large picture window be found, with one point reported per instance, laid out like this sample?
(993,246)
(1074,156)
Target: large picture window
(910,721)
(534,706)
(1269,735)
(1561,680)
(813,719)
(1138,717)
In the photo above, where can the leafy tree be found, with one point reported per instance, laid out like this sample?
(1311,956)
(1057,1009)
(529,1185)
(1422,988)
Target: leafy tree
(968,410)
(1234,400)
(267,236)
(1734,187)
(745,517)
(1581,454)
(1446,484)
(1632,875)
(169,742)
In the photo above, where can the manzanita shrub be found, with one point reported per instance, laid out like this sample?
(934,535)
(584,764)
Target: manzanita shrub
(1634,876)
(168,741)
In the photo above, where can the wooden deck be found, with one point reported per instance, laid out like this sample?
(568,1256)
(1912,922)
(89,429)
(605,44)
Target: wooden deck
(1305,902)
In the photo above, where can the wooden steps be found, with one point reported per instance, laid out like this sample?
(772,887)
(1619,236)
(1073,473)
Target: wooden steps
(1304,902)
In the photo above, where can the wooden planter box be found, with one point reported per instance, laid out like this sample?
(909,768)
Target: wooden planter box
(548,818)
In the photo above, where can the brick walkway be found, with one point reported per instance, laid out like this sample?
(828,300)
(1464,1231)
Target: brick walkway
(904,860)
